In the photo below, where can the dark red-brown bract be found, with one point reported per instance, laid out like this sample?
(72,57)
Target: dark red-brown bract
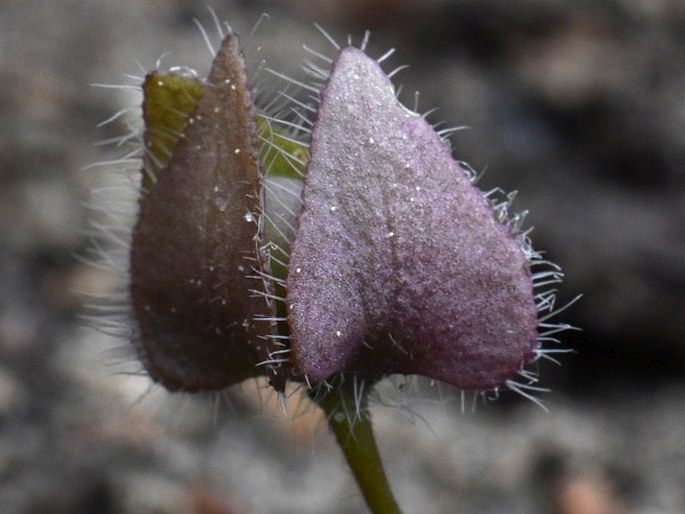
(195,242)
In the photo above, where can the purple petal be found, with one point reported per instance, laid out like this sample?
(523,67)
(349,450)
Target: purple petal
(398,265)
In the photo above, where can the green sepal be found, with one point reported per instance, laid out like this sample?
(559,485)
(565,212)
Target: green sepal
(168,101)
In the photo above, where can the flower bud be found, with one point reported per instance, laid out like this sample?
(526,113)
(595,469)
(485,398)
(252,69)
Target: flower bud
(352,244)
(398,264)
(193,248)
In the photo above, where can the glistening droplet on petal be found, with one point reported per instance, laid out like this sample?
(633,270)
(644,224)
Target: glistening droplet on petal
(418,278)
(190,286)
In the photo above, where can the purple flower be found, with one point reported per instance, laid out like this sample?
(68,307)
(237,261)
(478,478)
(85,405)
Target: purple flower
(399,264)
(380,257)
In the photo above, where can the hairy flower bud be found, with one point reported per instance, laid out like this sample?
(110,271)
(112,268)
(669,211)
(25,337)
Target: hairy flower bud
(398,264)
(193,247)
(351,243)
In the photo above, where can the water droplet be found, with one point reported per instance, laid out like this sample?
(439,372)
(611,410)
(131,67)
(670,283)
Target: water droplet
(333,208)
(236,151)
(221,203)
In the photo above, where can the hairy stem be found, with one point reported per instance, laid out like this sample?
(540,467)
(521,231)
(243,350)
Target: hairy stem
(348,417)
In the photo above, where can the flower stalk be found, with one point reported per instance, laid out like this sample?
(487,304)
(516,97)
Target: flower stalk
(349,419)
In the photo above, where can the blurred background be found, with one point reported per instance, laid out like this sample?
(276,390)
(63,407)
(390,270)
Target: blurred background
(580,106)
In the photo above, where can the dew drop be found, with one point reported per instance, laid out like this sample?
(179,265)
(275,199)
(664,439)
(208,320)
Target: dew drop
(221,203)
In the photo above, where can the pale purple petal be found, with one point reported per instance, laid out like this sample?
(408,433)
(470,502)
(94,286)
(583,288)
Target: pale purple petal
(398,264)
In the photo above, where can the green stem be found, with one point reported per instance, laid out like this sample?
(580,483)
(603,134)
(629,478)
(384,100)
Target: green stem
(348,417)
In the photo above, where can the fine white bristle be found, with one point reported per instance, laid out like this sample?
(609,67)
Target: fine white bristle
(205,37)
